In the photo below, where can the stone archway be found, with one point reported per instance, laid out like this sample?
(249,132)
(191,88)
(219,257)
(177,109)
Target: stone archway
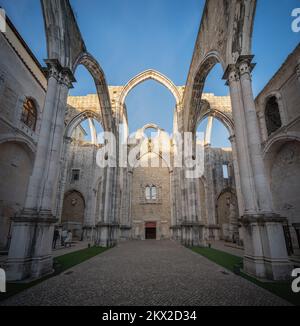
(146,75)
(285,181)
(73,213)
(16,162)
(158,77)
(227,215)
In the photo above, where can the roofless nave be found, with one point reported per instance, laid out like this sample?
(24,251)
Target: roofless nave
(49,172)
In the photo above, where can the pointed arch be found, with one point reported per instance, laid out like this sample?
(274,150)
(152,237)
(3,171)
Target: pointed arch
(88,114)
(146,75)
(91,64)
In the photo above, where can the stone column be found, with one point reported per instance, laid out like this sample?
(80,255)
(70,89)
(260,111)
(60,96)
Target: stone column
(265,250)
(253,136)
(56,141)
(210,195)
(63,178)
(208,132)
(30,254)
(49,111)
(263,126)
(107,229)
(242,151)
(237,177)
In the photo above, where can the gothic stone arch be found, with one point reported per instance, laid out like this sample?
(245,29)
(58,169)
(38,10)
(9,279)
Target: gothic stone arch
(225,34)
(146,75)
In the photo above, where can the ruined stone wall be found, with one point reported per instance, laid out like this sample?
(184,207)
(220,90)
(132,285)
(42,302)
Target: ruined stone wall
(82,157)
(282,147)
(20,78)
(158,211)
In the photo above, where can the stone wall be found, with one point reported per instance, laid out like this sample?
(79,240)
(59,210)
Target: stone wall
(144,211)
(21,77)
(282,147)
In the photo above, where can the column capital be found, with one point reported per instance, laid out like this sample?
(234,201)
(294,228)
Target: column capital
(245,65)
(67,78)
(53,68)
(231,74)
(63,75)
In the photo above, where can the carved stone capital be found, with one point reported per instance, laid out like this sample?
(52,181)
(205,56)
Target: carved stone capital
(231,74)
(67,78)
(244,64)
(55,70)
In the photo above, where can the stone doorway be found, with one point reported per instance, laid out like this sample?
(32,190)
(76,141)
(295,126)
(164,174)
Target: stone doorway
(150,231)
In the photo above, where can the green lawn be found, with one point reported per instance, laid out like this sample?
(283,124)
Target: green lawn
(234,264)
(61,264)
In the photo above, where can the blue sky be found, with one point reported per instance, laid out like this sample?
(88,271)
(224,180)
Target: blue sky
(129,36)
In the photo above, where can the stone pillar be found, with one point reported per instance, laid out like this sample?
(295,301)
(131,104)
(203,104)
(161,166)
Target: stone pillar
(30,254)
(192,230)
(265,249)
(237,177)
(92,131)
(107,230)
(208,132)
(262,186)
(63,177)
(242,151)
(210,195)
(263,126)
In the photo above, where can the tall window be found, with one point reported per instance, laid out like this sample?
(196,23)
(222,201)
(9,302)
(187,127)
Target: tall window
(151,193)
(272,114)
(29,114)
(75,175)
(225,171)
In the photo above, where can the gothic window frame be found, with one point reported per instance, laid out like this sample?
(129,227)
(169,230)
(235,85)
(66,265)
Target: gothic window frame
(73,174)
(29,114)
(151,194)
(273,120)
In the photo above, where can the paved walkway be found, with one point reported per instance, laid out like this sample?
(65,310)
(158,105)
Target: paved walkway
(146,273)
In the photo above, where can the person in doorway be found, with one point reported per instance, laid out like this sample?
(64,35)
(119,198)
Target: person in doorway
(64,236)
(68,241)
(55,238)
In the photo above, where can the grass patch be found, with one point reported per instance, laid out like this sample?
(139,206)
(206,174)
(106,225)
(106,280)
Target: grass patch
(234,263)
(60,264)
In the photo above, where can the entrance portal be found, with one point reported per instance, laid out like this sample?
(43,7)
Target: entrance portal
(150,231)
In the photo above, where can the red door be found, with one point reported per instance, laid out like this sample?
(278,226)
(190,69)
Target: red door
(150,231)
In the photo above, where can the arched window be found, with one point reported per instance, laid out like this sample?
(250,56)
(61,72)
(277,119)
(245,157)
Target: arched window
(151,193)
(29,114)
(272,115)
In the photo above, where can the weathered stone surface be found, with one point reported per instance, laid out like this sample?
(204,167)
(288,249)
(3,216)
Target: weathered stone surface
(147,273)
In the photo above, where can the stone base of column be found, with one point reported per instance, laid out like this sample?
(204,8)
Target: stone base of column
(88,233)
(175,232)
(125,232)
(265,255)
(30,253)
(107,234)
(192,234)
(213,232)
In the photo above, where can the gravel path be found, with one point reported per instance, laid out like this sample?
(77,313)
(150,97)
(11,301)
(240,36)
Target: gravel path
(146,273)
